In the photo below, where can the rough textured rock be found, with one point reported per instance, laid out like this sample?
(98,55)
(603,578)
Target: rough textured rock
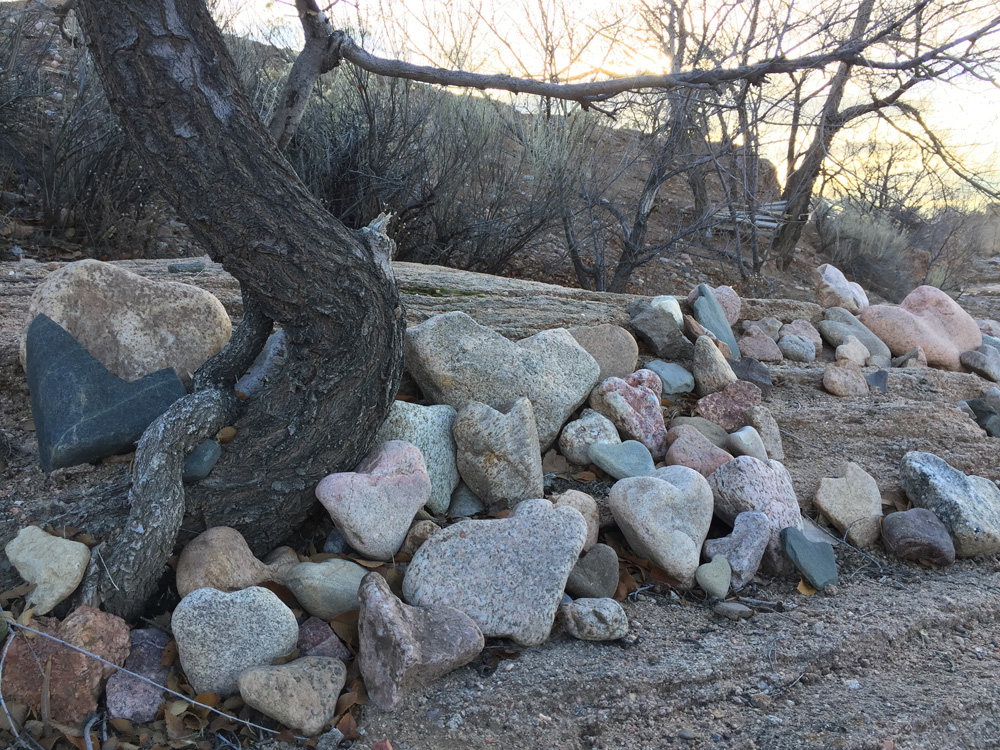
(814,560)
(634,410)
(968,505)
(761,419)
(612,347)
(853,351)
(743,549)
(595,575)
(498,454)
(852,503)
(301,695)
(506,574)
(845,379)
(711,371)
(760,346)
(930,319)
(620,460)
(747,484)
(918,535)
(805,329)
(770,327)
(132,325)
(577,436)
(75,681)
(673,377)
(710,313)
(746,441)
(669,304)
(913,358)
(325,589)
(690,448)
(457,361)
(796,348)
(726,407)
(128,697)
(56,566)
(594,619)
(984,361)
(878,380)
(419,533)
(221,634)
(714,577)
(661,332)
(373,505)
(752,371)
(219,558)
(316,638)
(587,507)
(839,324)
(81,410)
(834,290)
(429,428)
(403,646)
(711,430)
(665,518)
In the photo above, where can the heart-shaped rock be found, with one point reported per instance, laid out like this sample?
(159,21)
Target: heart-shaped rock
(577,437)
(742,549)
(374,504)
(507,574)
(665,518)
(302,694)
(81,410)
(621,460)
(634,408)
(714,577)
(220,558)
(457,361)
(402,646)
(595,575)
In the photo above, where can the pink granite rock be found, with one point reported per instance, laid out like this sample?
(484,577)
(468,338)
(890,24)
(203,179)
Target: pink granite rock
(749,484)
(646,379)
(220,558)
(726,407)
(834,290)
(743,549)
(845,378)
(374,505)
(634,410)
(927,318)
(728,299)
(690,448)
(760,346)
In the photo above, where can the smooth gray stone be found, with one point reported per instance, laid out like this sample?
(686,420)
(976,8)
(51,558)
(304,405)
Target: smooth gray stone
(675,379)
(917,534)
(797,348)
(710,314)
(991,341)
(902,359)
(714,577)
(595,575)
(992,397)
(984,361)
(266,366)
(879,380)
(195,266)
(465,502)
(83,412)
(840,324)
(201,461)
(816,561)
(711,430)
(628,459)
(335,544)
(660,331)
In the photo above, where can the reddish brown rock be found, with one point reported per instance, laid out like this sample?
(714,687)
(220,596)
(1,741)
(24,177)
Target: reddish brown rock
(316,638)
(75,680)
(690,448)
(760,346)
(726,407)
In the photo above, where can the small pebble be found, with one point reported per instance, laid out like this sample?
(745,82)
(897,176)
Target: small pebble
(687,734)
(732,610)
(226,434)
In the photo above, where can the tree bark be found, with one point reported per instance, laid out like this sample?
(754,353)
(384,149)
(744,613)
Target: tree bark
(175,90)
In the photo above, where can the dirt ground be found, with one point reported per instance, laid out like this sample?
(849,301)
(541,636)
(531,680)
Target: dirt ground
(898,657)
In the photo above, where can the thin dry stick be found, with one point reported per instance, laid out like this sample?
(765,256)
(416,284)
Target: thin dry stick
(126,671)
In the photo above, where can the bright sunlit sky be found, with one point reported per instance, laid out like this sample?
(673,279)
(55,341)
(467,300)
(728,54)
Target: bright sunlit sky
(497,36)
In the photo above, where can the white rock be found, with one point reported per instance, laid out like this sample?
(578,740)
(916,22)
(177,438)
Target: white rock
(577,436)
(669,304)
(55,565)
(594,619)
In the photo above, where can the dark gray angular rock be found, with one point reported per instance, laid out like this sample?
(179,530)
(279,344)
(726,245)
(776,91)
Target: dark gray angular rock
(878,380)
(83,412)
(753,371)
(814,560)
(659,330)
(903,359)
(201,461)
(710,314)
(917,534)
(195,266)
(984,361)
(400,645)
(595,575)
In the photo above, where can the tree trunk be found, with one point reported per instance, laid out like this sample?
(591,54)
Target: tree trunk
(175,90)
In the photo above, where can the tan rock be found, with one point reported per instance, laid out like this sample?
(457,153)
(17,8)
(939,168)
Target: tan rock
(55,565)
(853,351)
(834,290)
(927,318)
(852,503)
(219,558)
(845,379)
(301,695)
(588,509)
(132,325)
(612,346)
(419,533)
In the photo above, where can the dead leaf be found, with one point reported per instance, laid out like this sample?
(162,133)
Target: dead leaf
(177,708)
(175,726)
(370,564)
(554,463)
(345,625)
(123,725)
(348,727)
(805,589)
(346,701)
(169,656)
(16,593)
(282,592)
(585,476)
(285,735)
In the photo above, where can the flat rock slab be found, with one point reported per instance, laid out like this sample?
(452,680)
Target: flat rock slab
(814,560)
(82,411)
(840,324)
(507,574)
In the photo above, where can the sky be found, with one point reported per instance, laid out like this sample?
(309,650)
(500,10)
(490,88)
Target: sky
(968,113)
